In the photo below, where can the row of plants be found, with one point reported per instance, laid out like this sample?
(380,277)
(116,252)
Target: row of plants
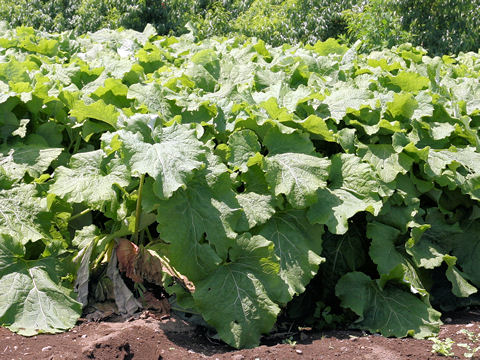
(237,175)
(440,26)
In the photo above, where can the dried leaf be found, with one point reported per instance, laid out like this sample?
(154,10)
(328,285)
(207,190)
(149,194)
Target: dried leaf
(126,302)
(159,305)
(127,254)
(149,266)
(83,275)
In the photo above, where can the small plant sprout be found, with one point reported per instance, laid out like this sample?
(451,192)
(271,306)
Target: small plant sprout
(470,346)
(442,347)
(289,341)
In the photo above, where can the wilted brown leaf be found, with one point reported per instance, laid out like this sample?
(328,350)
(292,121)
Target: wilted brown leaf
(127,254)
(159,305)
(140,264)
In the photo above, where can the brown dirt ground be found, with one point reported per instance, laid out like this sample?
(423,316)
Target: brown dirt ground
(153,337)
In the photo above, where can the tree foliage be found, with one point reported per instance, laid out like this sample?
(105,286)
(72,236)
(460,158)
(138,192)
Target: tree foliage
(440,26)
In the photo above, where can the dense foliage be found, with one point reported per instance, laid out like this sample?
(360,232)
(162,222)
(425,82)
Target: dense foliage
(82,16)
(440,26)
(276,22)
(242,171)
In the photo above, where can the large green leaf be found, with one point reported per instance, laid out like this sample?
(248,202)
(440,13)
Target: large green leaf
(391,259)
(169,155)
(402,106)
(258,209)
(317,126)
(466,247)
(113,92)
(22,214)
(353,188)
(429,247)
(20,159)
(297,176)
(456,167)
(153,96)
(295,142)
(424,247)
(199,223)
(238,299)
(386,161)
(460,286)
(345,98)
(390,311)
(243,144)
(14,71)
(97,110)
(90,179)
(409,81)
(298,245)
(32,300)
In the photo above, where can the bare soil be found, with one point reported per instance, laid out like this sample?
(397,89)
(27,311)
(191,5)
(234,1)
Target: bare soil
(152,336)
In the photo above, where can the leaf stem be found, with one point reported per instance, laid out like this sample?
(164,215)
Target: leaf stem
(149,235)
(138,210)
(117,234)
(80,214)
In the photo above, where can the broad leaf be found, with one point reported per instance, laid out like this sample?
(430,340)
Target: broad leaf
(460,286)
(237,298)
(90,179)
(258,209)
(402,106)
(317,126)
(22,214)
(20,159)
(466,247)
(153,96)
(410,81)
(354,187)
(298,245)
(168,155)
(32,300)
(391,259)
(387,163)
(390,311)
(297,176)
(279,143)
(199,223)
(98,110)
(243,144)
(346,98)
(456,167)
